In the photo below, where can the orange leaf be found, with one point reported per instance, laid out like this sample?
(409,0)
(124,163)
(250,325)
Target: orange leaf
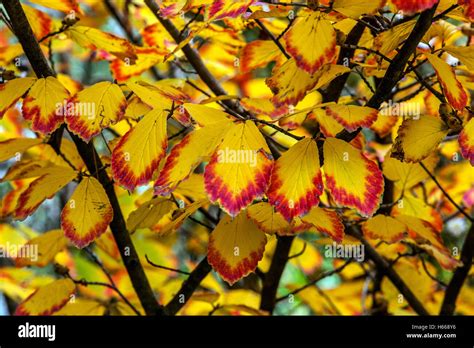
(296,181)
(235,247)
(146,58)
(259,53)
(352,179)
(413,6)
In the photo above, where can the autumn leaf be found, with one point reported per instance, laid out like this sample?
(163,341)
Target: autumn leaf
(47,299)
(235,247)
(353,180)
(43,188)
(139,152)
(227,8)
(296,181)
(464,53)
(239,170)
(355,8)
(406,175)
(147,57)
(95,39)
(352,116)
(87,214)
(385,228)
(94,108)
(149,213)
(311,41)
(11,91)
(43,103)
(258,54)
(40,22)
(16,146)
(412,6)
(46,245)
(452,88)
(466,141)
(60,5)
(267,219)
(326,221)
(418,137)
(188,153)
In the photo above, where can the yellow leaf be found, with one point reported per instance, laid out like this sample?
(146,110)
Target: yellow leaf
(239,170)
(296,181)
(389,40)
(47,299)
(95,39)
(45,248)
(146,58)
(352,179)
(60,5)
(149,213)
(466,141)
(452,88)
(311,41)
(326,221)
(83,307)
(156,96)
(464,53)
(139,152)
(356,8)
(267,219)
(13,90)
(43,104)
(94,108)
(259,53)
(289,83)
(235,247)
(407,175)
(43,188)
(188,153)
(87,214)
(264,106)
(385,228)
(12,147)
(413,206)
(175,218)
(429,239)
(192,187)
(205,115)
(352,116)
(418,138)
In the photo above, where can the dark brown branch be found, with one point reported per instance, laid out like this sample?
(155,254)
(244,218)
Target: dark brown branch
(188,287)
(273,276)
(91,159)
(460,275)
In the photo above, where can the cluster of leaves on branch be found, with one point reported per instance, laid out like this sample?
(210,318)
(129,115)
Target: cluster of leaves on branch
(227,129)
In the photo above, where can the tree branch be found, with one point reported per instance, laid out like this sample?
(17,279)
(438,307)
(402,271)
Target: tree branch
(90,157)
(460,275)
(273,276)
(188,287)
